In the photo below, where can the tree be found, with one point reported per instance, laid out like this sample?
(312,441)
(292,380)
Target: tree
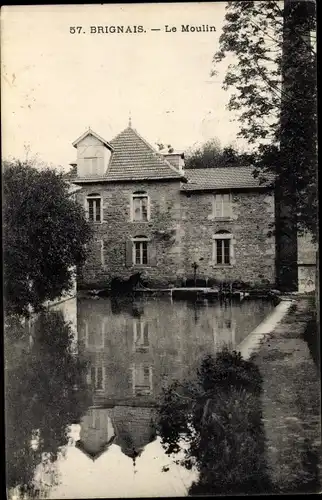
(162,147)
(274,77)
(45,233)
(45,392)
(211,155)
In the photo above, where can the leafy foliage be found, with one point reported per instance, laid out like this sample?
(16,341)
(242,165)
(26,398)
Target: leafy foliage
(215,420)
(211,155)
(45,392)
(162,147)
(45,233)
(273,75)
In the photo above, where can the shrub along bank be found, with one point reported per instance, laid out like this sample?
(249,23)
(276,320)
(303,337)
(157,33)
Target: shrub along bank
(219,416)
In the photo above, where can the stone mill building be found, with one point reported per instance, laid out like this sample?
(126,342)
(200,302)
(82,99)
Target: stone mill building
(152,215)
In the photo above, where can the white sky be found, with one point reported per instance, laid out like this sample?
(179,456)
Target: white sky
(112,475)
(56,84)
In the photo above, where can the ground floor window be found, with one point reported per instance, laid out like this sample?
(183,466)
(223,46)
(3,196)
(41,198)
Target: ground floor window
(140,252)
(223,248)
(140,335)
(142,379)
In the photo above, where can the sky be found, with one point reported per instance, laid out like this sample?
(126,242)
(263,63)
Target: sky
(56,84)
(113,475)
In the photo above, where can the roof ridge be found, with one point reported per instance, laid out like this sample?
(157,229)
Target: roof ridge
(89,131)
(117,135)
(156,152)
(153,150)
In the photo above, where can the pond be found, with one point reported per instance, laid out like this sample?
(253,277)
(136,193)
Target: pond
(102,437)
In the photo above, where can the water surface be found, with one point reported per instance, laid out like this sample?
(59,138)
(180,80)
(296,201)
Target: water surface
(131,350)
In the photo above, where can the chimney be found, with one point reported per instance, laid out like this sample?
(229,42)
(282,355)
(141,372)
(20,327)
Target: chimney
(176,159)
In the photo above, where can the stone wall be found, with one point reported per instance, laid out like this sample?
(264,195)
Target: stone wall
(306,259)
(254,250)
(180,231)
(108,259)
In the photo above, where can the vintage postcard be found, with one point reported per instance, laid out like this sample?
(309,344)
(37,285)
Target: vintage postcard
(161,276)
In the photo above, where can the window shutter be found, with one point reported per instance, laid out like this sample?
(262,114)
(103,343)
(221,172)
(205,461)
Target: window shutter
(232,252)
(128,253)
(86,209)
(102,253)
(226,205)
(152,253)
(103,377)
(214,251)
(97,250)
(218,206)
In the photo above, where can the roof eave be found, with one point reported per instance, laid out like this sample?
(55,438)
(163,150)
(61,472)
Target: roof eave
(130,179)
(189,189)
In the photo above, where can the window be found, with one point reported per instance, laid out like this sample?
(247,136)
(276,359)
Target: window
(140,251)
(142,379)
(140,335)
(95,419)
(94,207)
(140,207)
(223,248)
(91,165)
(222,206)
(95,334)
(96,377)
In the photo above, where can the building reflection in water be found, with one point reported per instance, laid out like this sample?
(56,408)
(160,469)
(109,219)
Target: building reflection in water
(135,348)
(224,327)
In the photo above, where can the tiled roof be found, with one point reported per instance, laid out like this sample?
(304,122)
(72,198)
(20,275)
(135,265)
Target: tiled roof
(134,159)
(134,428)
(222,178)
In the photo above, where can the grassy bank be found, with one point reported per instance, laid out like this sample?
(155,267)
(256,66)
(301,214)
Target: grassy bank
(288,363)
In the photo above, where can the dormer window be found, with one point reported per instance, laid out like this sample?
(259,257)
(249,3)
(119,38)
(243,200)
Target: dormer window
(140,207)
(94,207)
(91,165)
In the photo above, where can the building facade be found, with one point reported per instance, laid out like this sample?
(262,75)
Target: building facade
(152,216)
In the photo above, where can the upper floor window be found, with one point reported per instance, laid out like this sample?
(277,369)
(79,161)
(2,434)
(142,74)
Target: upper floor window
(95,333)
(223,248)
(94,207)
(222,206)
(140,207)
(96,377)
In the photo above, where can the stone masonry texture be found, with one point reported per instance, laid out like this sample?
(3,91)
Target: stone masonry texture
(180,228)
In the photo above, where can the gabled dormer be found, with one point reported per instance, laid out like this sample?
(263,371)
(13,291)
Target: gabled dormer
(93,154)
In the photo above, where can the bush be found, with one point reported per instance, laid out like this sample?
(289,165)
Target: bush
(229,370)
(311,336)
(231,449)
(219,415)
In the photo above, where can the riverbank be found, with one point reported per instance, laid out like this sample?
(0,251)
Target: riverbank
(291,403)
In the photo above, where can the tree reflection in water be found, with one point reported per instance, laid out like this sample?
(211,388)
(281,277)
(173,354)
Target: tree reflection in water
(45,392)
